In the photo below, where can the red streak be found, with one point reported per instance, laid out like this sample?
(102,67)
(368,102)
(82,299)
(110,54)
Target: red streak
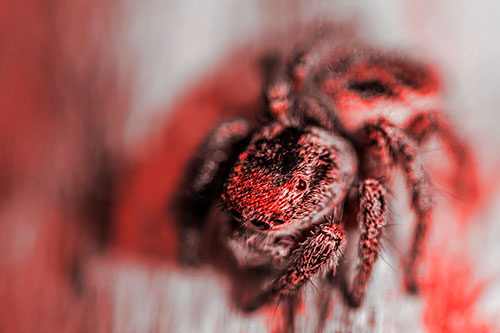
(451,292)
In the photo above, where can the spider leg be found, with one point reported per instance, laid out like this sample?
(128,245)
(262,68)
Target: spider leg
(403,150)
(295,88)
(203,182)
(372,218)
(312,104)
(321,251)
(278,90)
(318,53)
(422,126)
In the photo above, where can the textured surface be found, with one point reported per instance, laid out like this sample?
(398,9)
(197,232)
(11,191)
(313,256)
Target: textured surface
(85,78)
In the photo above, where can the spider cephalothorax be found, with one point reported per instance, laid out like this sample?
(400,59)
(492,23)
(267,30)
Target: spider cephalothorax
(289,175)
(340,120)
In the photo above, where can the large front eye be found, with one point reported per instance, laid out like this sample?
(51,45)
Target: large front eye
(236,214)
(301,185)
(261,224)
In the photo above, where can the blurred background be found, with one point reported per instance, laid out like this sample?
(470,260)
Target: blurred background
(103,102)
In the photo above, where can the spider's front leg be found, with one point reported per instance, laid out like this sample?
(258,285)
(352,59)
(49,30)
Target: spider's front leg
(321,251)
(202,183)
(403,150)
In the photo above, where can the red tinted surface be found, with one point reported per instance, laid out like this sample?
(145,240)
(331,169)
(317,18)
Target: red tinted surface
(143,220)
(144,223)
(56,118)
(61,112)
(451,290)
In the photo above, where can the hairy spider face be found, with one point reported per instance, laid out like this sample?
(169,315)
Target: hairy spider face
(289,175)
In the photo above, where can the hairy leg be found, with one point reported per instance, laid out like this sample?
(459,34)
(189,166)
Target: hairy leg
(403,149)
(321,251)
(278,90)
(465,177)
(203,181)
(372,218)
(283,104)
(312,104)
(292,92)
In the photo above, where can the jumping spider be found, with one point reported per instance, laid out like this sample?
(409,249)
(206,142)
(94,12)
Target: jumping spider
(340,119)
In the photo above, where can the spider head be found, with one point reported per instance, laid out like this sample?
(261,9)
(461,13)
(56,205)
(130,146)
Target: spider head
(288,175)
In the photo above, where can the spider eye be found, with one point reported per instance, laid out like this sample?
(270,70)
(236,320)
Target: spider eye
(278,221)
(261,224)
(236,214)
(301,185)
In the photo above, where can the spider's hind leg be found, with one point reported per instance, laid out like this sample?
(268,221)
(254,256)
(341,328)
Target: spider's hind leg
(465,177)
(403,150)
(278,89)
(305,71)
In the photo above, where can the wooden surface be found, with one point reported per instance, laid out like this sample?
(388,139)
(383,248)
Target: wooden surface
(63,116)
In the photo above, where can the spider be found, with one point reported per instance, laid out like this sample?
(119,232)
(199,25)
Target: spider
(339,118)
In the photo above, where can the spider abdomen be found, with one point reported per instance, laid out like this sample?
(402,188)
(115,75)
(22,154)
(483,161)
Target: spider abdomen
(369,87)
